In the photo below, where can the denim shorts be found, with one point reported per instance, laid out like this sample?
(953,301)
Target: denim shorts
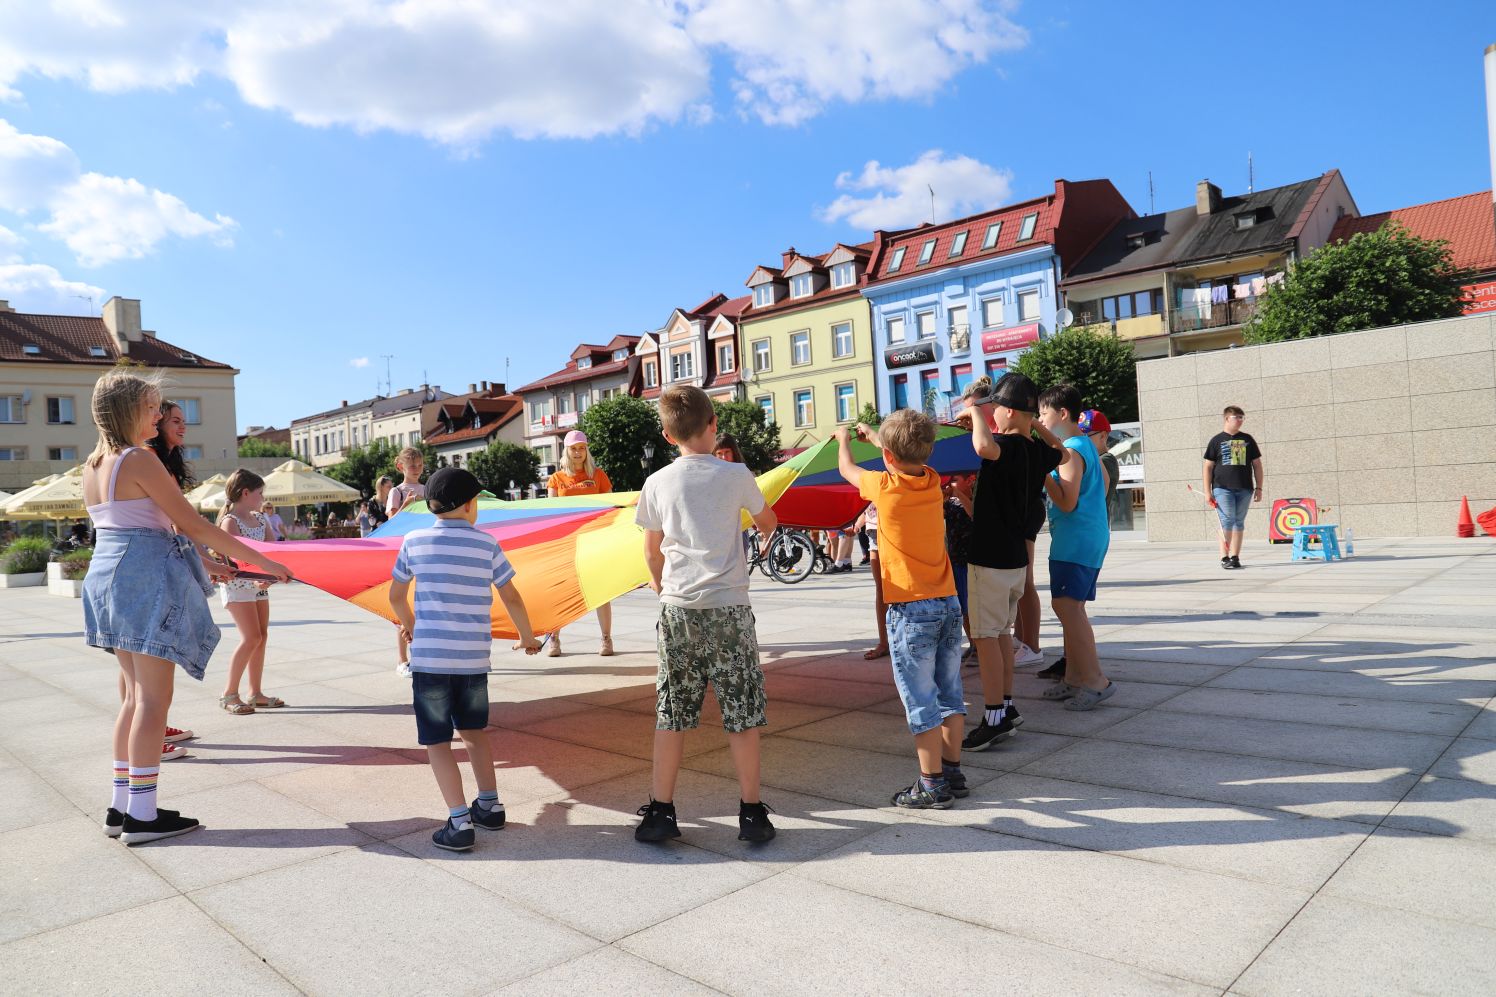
(1068,580)
(924,641)
(146,593)
(444,702)
(1232,505)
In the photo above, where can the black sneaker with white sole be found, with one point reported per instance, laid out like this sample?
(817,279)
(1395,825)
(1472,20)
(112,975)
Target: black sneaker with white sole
(455,837)
(489,820)
(985,735)
(1011,712)
(1235,562)
(114,821)
(168,824)
(753,823)
(658,823)
(1226,563)
(1054,672)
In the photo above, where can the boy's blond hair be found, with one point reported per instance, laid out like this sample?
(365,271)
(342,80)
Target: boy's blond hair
(118,398)
(685,412)
(407,455)
(908,435)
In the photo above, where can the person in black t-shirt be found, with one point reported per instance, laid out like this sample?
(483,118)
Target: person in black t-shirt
(1233,479)
(998,556)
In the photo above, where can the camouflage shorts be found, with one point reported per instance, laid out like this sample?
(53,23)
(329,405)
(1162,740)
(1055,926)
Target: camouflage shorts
(701,645)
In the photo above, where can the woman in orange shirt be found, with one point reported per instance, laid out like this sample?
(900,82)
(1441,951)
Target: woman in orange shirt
(580,475)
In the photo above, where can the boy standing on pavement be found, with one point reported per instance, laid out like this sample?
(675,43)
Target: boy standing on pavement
(1232,479)
(924,616)
(691,513)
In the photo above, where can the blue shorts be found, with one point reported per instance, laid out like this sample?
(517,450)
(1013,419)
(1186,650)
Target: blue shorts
(445,702)
(1068,580)
(1232,505)
(924,641)
(959,570)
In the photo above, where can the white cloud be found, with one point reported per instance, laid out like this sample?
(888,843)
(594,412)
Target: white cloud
(899,197)
(457,71)
(40,289)
(10,246)
(359,362)
(101,218)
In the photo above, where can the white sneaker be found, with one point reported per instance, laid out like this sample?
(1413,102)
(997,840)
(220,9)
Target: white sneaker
(403,669)
(170,751)
(1024,655)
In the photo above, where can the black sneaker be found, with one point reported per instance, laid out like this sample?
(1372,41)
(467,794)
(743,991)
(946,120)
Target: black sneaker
(1054,672)
(455,837)
(1011,712)
(489,820)
(658,823)
(168,824)
(957,781)
(1235,561)
(1226,563)
(753,823)
(114,821)
(917,797)
(985,735)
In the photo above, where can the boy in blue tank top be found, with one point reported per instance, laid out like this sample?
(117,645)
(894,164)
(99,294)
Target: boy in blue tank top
(1080,534)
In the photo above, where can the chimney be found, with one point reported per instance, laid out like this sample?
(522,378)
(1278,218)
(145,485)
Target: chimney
(343,403)
(5,306)
(485,385)
(786,257)
(122,319)
(472,389)
(1207,198)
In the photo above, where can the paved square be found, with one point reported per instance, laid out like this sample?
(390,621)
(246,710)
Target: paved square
(1294,791)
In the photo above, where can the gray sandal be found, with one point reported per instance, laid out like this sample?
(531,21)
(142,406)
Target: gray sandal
(1060,690)
(1088,699)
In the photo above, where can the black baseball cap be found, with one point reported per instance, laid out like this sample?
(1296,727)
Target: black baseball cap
(1013,390)
(451,488)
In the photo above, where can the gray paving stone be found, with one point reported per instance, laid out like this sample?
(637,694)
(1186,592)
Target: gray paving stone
(286,917)
(1340,946)
(129,949)
(1376,714)
(1422,873)
(1484,725)
(878,732)
(1455,807)
(606,970)
(797,920)
(1468,758)
(1440,687)
(622,731)
(812,691)
(30,801)
(535,767)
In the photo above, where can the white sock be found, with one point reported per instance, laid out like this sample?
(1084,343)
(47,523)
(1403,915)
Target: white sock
(142,804)
(120,797)
(994,717)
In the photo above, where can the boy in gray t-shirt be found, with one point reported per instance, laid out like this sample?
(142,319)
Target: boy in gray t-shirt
(691,513)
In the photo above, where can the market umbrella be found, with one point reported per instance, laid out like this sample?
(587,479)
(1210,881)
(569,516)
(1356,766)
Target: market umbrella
(58,499)
(294,483)
(20,496)
(206,489)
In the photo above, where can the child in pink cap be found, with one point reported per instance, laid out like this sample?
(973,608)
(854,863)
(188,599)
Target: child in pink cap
(580,475)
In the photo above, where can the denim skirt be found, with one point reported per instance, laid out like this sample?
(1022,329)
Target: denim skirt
(146,592)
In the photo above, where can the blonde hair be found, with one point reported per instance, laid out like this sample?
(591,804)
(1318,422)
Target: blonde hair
(981,386)
(588,468)
(407,455)
(685,411)
(908,435)
(118,398)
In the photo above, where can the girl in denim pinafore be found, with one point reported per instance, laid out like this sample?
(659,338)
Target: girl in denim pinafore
(145,598)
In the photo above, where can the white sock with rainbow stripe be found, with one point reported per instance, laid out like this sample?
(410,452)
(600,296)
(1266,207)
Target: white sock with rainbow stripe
(142,805)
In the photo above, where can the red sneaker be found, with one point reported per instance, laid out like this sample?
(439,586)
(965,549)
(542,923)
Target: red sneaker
(170,751)
(177,734)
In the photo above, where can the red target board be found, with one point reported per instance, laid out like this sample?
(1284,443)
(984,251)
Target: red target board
(1288,515)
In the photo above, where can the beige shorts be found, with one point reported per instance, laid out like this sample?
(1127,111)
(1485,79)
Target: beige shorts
(992,596)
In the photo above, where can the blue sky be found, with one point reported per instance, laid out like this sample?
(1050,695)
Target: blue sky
(443,186)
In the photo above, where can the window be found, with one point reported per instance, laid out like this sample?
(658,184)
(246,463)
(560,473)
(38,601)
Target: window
(801,285)
(993,231)
(415,437)
(761,356)
(841,340)
(799,348)
(539,409)
(924,324)
(12,453)
(11,409)
(584,363)
(726,361)
(31,349)
(804,407)
(62,453)
(992,313)
(622,354)
(682,365)
(192,453)
(960,378)
(958,318)
(898,259)
(563,404)
(1028,306)
(583,401)
(97,351)
(763,295)
(1026,230)
(192,411)
(766,402)
(846,402)
(1245,220)
(958,244)
(651,374)
(997,368)
(611,393)
(929,390)
(895,330)
(844,275)
(342,440)
(927,250)
(900,391)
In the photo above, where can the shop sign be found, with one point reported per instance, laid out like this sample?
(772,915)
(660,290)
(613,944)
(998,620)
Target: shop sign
(1016,338)
(910,355)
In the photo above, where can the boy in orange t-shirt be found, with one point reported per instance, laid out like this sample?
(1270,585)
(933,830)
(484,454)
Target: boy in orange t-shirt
(924,616)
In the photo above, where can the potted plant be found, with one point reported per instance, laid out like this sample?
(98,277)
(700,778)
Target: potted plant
(73,567)
(24,563)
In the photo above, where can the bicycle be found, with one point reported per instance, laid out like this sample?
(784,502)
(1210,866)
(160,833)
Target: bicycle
(791,557)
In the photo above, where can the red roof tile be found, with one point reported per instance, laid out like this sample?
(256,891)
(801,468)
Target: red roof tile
(1464,222)
(572,373)
(494,414)
(729,308)
(72,339)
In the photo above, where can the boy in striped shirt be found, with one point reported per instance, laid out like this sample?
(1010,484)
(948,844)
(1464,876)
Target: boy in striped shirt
(457,567)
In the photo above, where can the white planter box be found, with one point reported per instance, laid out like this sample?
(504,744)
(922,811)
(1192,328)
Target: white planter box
(54,571)
(23,581)
(65,587)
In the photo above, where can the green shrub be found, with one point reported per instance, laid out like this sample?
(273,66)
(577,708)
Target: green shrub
(75,563)
(25,557)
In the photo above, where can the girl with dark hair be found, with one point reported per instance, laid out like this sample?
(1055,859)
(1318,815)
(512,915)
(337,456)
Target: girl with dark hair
(726,448)
(171,433)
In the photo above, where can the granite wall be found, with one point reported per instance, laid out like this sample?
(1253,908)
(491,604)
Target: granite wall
(1387,427)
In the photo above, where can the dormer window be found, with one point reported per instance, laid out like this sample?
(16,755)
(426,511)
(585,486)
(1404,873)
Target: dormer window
(801,285)
(1026,231)
(622,354)
(958,244)
(1245,220)
(898,259)
(1137,240)
(926,251)
(844,275)
(763,295)
(31,349)
(477,422)
(97,351)
(989,241)
(584,363)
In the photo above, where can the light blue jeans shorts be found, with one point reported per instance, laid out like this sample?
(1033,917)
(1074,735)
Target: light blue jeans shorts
(924,640)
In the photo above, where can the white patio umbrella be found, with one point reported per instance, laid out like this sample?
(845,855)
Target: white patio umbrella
(294,483)
(207,489)
(61,498)
(24,493)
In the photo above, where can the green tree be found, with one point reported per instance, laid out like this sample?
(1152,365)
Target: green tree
(363,465)
(757,437)
(1099,364)
(1387,277)
(869,414)
(618,429)
(502,463)
(262,448)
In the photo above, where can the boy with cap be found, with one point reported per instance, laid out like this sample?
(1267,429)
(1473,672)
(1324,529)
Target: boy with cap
(1012,462)
(691,512)
(924,615)
(456,567)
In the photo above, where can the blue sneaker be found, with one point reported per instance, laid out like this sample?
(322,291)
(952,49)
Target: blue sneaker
(454,837)
(489,820)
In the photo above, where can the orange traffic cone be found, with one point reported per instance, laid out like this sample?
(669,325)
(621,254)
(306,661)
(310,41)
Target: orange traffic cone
(1466,525)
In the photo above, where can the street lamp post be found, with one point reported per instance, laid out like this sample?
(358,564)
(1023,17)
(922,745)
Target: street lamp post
(649,452)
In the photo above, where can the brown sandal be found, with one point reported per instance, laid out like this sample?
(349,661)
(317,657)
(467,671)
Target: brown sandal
(606,650)
(233,704)
(264,702)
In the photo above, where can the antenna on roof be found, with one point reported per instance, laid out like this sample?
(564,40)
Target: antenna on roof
(386,357)
(89,299)
(932,203)
(1250,177)
(1150,192)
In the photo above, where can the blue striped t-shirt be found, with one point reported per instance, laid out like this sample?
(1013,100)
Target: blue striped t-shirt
(456,567)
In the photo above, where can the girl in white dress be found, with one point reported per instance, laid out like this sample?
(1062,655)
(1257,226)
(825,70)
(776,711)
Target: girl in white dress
(248,602)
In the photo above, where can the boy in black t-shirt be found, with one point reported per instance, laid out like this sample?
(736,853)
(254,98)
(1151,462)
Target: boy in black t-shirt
(1233,479)
(998,556)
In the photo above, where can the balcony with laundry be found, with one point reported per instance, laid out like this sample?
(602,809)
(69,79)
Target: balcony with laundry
(1213,304)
